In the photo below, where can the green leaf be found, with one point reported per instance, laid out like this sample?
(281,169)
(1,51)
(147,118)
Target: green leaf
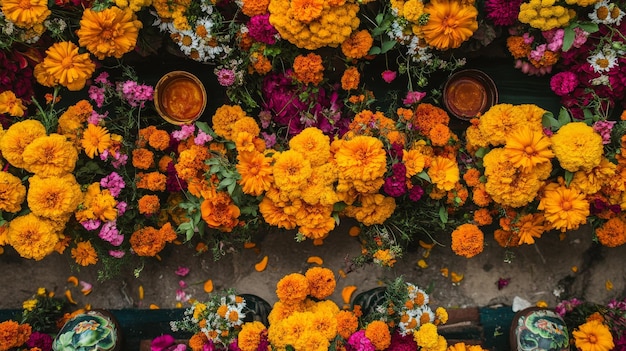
(548,121)
(204,126)
(424,175)
(388,45)
(589,27)
(564,117)
(231,187)
(482,151)
(568,177)
(443,214)
(339,206)
(568,38)
(374,50)
(588,115)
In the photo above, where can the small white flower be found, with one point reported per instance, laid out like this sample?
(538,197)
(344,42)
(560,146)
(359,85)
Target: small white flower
(600,13)
(601,80)
(603,60)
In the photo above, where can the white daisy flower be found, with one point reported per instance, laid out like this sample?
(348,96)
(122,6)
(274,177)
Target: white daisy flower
(603,60)
(600,13)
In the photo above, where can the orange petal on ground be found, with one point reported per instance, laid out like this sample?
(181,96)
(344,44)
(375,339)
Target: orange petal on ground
(68,296)
(154,307)
(208,286)
(141,292)
(315,259)
(260,267)
(72,280)
(354,231)
(346,293)
(249,245)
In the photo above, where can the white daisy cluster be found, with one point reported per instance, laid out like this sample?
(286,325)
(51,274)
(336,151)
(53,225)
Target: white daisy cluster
(219,319)
(415,311)
(209,37)
(606,12)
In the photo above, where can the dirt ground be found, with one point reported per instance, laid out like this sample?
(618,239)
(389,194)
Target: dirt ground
(549,271)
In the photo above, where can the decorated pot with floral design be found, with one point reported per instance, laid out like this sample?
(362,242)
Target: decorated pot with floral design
(538,329)
(95,330)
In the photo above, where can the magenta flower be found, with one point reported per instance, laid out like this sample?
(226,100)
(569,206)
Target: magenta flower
(117,253)
(135,94)
(413,97)
(97,95)
(563,83)
(114,182)
(416,193)
(261,30)
(40,340)
(186,131)
(182,271)
(202,138)
(109,233)
(388,75)
(604,128)
(359,342)
(161,343)
(226,77)
(502,12)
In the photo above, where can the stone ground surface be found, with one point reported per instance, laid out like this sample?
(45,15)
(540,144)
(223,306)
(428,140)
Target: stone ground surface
(540,272)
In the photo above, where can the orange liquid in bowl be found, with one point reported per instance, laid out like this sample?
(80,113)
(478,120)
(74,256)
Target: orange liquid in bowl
(182,99)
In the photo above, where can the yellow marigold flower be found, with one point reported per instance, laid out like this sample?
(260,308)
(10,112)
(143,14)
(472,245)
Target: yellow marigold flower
(15,140)
(249,337)
(564,208)
(529,227)
(9,103)
(84,254)
(95,140)
(440,135)
(97,204)
(32,237)
(357,45)
(12,192)
(313,145)
(378,333)
(26,14)
(413,10)
(450,23)
(224,118)
(385,258)
(53,197)
(499,122)
(527,148)
(253,8)
(374,209)
(414,162)
(256,172)
(50,155)
(593,336)
(612,233)
(65,66)
(467,240)
(350,79)
(292,288)
(577,147)
(111,32)
(331,27)
(324,322)
(444,173)
(308,69)
(291,171)
(441,315)
(426,336)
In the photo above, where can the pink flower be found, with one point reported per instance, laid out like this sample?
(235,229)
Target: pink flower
(182,271)
(604,128)
(226,77)
(563,83)
(413,97)
(103,78)
(388,76)
(109,233)
(114,182)
(202,138)
(97,95)
(184,133)
(182,284)
(117,253)
(96,117)
(160,343)
(121,208)
(91,224)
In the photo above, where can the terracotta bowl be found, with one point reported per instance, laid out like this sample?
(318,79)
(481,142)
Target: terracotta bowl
(180,97)
(469,93)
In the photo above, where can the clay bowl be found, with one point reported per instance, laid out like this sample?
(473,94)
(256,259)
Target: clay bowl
(180,97)
(469,93)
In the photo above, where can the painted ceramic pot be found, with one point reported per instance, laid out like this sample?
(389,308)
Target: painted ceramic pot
(538,329)
(95,330)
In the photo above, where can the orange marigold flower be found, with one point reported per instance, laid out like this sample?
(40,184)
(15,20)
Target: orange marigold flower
(26,14)
(378,333)
(518,47)
(95,140)
(450,23)
(427,116)
(159,139)
(153,181)
(593,336)
(506,238)
(13,334)
(347,324)
(149,241)
(306,11)
(12,192)
(612,233)
(84,254)
(11,104)
(253,8)
(149,205)
(467,240)
(292,288)
(111,32)
(275,215)
(357,45)
(321,282)
(223,119)
(472,177)
(564,208)
(444,173)
(350,79)
(197,341)
(529,227)
(308,69)
(143,158)
(480,196)
(260,63)
(291,171)
(249,337)
(164,163)
(256,172)
(63,65)
(439,134)
(219,211)
(482,217)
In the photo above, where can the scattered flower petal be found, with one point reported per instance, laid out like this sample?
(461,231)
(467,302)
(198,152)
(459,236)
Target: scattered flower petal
(422,264)
(575,269)
(141,292)
(72,280)
(249,245)
(260,267)
(456,278)
(85,287)
(541,304)
(503,283)
(154,307)
(68,296)
(182,271)
(425,245)
(182,284)
(346,293)
(315,259)
(354,231)
(608,285)
(444,272)
(208,286)
(342,273)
